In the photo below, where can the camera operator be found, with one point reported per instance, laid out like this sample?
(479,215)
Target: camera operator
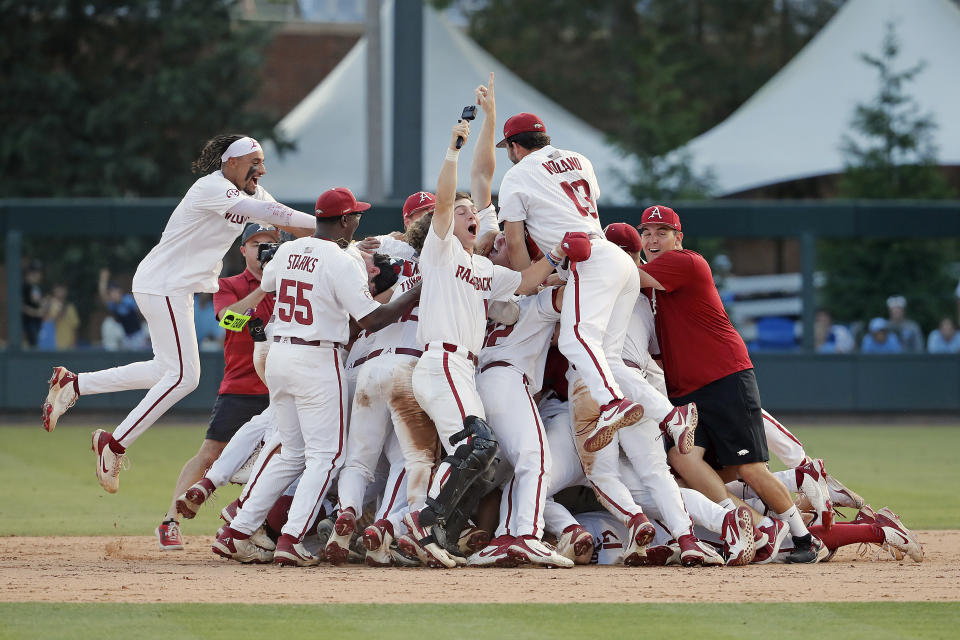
(242,393)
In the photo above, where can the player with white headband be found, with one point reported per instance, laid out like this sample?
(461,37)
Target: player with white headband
(187,260)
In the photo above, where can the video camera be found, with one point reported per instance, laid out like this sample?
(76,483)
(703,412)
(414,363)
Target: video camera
(266,251)
(469,113)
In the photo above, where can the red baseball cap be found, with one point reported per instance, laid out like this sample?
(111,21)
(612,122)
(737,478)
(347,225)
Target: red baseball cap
(418,202)
(660,215)
(521,123)
(624,236)
(337,202)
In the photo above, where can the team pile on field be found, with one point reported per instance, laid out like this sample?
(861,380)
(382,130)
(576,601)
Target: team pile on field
(549,393)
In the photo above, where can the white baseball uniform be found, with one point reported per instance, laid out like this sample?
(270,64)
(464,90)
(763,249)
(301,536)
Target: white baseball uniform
(385,415)
(456,288)
(187,259)
(319,286)
(510,372)
(395,248)
(555,191)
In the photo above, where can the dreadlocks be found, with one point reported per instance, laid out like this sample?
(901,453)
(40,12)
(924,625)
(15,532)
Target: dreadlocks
(209,159)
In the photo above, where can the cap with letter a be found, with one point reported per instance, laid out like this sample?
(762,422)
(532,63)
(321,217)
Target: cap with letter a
(521,123)
(338,202)
(419,201)
(660,215)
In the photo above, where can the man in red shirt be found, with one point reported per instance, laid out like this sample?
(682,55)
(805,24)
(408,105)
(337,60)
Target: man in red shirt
(705,361)
(242,394)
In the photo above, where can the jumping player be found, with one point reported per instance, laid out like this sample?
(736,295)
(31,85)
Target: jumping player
(187,260)
(551,191)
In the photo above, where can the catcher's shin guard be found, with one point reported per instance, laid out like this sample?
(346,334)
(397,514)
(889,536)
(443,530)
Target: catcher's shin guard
(467,463)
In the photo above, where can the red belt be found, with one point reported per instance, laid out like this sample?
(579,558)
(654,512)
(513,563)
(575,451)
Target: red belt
(631,363)
(503,363)
(452,348)
(308,343)
(400,351)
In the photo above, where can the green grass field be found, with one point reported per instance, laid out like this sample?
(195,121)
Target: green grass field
(911,469)
(870,621)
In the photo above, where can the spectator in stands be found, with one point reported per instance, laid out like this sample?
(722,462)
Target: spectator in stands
(209,331)
(829,337)
(880,339)
(63,314)
(944,339)
(32,306)
(907,331)
(124,327)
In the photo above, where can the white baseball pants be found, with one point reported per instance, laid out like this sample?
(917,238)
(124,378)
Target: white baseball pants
(243,443)
(309,397)
(782,443)
(597,304)
(513,416)
(172,374)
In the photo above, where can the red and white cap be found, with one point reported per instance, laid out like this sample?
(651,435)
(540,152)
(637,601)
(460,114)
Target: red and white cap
(337,202)
(660,215)
(418,201)
(624,236)
(521,123)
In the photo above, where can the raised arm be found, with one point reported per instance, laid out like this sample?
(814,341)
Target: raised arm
(484,154)
(447,182)
(276,214)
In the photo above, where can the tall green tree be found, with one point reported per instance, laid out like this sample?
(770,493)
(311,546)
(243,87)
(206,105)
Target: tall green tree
(116,97)
(891,154)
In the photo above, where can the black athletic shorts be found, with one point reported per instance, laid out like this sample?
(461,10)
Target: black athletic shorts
(233,410)
(730,424)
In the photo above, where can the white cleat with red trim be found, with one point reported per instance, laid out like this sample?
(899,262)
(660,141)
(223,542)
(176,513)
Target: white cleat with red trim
(530,549)
(613,416)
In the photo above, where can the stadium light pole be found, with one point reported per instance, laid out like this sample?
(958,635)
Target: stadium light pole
(407,97)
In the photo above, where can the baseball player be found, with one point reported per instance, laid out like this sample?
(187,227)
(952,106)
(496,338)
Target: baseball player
(414,207)
(319,287)
(706,361)
(187,259)
(384,408)
(457,285)
(548,192)
(242,394)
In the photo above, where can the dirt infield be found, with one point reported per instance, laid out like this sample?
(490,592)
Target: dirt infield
(132,569)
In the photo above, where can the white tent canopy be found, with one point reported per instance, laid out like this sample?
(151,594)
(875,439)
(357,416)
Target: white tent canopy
(330,129)
(793,126)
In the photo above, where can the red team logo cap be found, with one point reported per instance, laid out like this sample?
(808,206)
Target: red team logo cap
(624,236)
(338,202)
(660,215)
(418,202)
(521,123)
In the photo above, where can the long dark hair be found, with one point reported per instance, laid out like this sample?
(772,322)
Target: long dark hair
(209,159)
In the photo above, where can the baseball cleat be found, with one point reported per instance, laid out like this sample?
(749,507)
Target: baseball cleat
(472,539)
(841,496)
(662,555)
(229,512)
(694,553)
(193,498)
(495,554)
(812,483)
(776,533)
(613,417)
(61,395)
(680,424)
(576,543)
(109,463)
(737,534)
(378,536)
(640,533)
(337,549)
(262,539)
(425,545)
(806,551)
(242,475)
(401,559)
(241,550)
(291,553)
(898,536)
(168,536)
(530,549)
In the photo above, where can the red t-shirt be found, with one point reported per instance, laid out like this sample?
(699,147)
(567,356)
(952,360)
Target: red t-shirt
(239,376)
(698,343)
